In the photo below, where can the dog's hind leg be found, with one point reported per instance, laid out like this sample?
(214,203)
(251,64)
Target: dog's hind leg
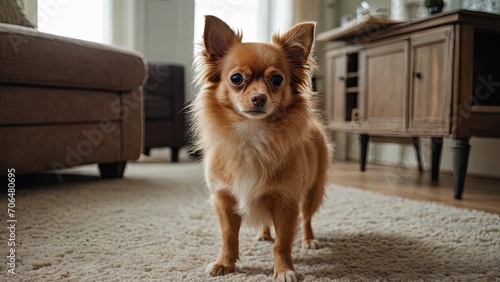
(314,197)
(265,234)
(308,208)
(313,200)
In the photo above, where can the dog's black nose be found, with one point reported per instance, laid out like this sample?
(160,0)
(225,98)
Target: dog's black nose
(258,100)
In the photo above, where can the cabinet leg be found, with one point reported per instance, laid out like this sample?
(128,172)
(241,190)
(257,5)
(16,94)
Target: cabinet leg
(112,170)
(416,144)
(175,154)
(363,142)
(147,151)
(460,150)
(436,147)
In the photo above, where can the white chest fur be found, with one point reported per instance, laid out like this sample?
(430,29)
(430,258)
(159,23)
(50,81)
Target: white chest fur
(248,184)
(252,133)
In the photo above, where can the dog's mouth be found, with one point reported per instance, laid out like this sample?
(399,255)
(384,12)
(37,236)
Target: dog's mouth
(255,113)
(252,112)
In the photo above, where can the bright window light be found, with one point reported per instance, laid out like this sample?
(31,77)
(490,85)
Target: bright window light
(249,16)
(81,19)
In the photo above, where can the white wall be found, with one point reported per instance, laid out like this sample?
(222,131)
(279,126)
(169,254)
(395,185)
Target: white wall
(168,31)
(161,30)
(168,35)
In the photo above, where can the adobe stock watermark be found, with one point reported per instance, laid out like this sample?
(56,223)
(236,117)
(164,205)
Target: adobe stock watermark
(93,138)
(368,31)
(221,8)
(16,41)
(47,9)
(198,205)
(485,88)
(11,221)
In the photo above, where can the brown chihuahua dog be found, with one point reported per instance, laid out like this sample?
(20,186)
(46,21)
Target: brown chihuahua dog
(265,152)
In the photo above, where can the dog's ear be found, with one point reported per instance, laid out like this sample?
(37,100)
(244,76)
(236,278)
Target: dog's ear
(297,42)
(218,37)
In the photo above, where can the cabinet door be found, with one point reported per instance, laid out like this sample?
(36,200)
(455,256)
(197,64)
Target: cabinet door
(335,88)
(384,87)
(430,90)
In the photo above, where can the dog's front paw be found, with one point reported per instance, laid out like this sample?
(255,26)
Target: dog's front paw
(218,269)
(311,244)
(287,276)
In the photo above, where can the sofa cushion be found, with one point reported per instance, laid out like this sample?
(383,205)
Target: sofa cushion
(37,148)
(12,13)
(30,57)
(31,105)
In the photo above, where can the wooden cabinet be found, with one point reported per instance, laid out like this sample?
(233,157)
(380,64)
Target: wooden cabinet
(401,86)
(435,77)
(430,83)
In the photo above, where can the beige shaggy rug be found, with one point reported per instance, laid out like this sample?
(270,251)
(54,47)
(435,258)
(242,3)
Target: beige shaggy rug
(156,225)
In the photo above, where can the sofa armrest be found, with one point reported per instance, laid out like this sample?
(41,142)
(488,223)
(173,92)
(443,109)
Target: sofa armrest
(30,57)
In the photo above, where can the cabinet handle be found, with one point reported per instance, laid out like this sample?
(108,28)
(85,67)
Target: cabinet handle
(355,117)
(418,75)
(341,78)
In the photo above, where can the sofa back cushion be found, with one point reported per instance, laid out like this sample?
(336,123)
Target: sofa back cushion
(11,12)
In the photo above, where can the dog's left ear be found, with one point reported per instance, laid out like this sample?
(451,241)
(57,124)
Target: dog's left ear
(218,37)
(297,43)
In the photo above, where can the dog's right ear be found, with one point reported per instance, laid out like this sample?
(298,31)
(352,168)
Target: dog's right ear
(218,37)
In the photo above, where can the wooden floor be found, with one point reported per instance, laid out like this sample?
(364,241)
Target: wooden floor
(479,193)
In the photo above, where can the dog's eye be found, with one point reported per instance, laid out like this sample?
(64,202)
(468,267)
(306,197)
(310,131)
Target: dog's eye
(236,79)
(276,80)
